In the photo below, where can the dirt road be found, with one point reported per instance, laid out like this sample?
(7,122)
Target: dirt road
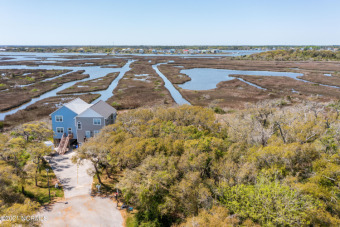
(79,208)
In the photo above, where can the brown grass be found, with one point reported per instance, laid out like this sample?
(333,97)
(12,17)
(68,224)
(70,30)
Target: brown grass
(18,96)
(173,74)
(118,62)
(232,94)
(104,60)
(284,86)
(319,77)
(228,63)
(12,77)
(236,93)
(98,84)
(136,91)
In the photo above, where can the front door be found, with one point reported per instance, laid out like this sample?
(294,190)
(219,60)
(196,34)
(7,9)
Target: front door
(88,134)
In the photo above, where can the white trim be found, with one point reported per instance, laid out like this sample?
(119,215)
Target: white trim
(62,118)
(60,108)
(100,121)
(56,130)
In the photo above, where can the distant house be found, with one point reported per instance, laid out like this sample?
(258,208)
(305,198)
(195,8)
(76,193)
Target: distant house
(216,51)
(79,120)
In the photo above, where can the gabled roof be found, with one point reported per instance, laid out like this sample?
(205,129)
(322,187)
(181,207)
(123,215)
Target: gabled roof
(78,105)
(89,113)
(103,109)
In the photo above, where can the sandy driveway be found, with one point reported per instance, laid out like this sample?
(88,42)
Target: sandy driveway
(81,209)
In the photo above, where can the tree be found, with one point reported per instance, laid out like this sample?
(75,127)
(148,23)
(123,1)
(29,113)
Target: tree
(95,152)
(36,151)
(269,203)
(38,131)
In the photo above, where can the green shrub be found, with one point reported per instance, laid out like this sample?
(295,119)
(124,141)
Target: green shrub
(115,104)
(218,110)
(131,221)
(269,203)
(30,79)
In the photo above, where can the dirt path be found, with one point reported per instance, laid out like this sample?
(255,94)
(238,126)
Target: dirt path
(79,207)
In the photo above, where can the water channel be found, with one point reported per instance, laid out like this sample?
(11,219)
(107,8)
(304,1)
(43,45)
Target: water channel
(201,78)
(173,91)
(208,78)
(93,71)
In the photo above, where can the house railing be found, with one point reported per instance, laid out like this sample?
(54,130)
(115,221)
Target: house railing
(61,143)
(62,148)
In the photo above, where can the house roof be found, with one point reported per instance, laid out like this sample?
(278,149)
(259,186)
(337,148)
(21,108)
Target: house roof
(78,105)
(89,113)
(83,109)
(103,109)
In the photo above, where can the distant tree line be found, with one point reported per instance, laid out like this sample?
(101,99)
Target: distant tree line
(294,55)
(109,48)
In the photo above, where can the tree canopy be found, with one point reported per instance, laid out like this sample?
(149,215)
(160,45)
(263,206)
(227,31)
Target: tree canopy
(267,164)
(21,166)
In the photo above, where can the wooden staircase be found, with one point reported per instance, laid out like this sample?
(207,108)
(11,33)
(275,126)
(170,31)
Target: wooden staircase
(63,145)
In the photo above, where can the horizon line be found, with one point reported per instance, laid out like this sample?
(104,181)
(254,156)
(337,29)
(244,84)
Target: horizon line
(126,45)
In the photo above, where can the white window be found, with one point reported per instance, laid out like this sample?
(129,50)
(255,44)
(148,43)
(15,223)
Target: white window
(88,134)
(79,125)
(69,130)
(60,130)
(97,121)
(95,132)
(58,118)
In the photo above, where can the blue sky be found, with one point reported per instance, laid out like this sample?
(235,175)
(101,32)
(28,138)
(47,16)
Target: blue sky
(169,22)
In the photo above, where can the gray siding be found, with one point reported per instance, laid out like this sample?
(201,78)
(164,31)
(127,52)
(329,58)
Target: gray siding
(87,125)
(111,119)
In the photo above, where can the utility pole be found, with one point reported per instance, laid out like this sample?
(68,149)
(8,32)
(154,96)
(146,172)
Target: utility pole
(48,185)
(77,172)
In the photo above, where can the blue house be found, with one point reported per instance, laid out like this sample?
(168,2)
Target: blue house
(79,120)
